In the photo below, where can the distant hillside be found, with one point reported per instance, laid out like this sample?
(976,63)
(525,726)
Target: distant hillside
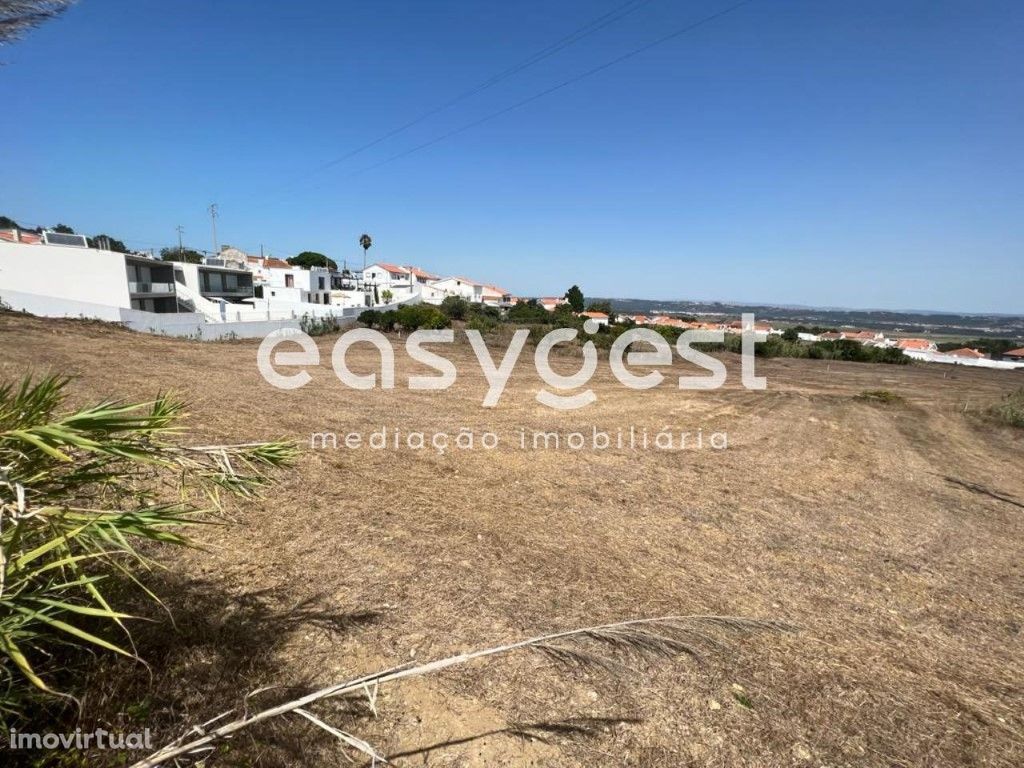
(915,323)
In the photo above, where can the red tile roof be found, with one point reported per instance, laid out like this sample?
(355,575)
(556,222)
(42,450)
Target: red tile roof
(662,320)
(914,344)
(421,273)
(23,236)
(269,261)
(1014,353)
(594,315)
(394,269)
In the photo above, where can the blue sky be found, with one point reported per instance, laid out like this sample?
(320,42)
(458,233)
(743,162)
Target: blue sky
(866,154)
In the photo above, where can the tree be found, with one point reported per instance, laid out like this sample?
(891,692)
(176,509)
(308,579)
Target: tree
(365,241)
(63,229)
(563,312)
(6,222)
(312,259)
(108,242)
(528,312)
(791,334)
(456,307)
(20,16)
(186,255)
(575,298)
(387,295)
(601,306)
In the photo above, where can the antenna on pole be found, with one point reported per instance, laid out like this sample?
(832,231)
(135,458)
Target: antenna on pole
(180,230)
(213,222)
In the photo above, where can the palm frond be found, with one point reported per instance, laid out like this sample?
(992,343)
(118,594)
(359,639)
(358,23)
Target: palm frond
(664,637)
(78,492)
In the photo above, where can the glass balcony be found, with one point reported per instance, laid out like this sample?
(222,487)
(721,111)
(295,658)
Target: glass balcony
(134,287)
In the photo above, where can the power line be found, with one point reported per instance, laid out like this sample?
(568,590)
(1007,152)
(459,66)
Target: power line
(585,31)
(559,86)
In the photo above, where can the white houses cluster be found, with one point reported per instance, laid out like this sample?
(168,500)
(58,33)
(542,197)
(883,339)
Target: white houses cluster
(61,275)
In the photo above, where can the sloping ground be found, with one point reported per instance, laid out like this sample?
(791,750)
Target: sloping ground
(826,511)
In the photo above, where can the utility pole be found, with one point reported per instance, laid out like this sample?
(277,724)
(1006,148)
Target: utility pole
(180,230)
(213,222)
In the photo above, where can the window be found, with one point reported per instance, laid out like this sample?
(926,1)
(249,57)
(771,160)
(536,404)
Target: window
(321,283)
(289,281)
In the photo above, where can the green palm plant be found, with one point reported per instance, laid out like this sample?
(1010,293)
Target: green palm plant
(79,493)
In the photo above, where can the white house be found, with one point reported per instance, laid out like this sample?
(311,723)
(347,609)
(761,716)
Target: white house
(431,294)
(297,285)
(494,296)
(387,276)
(71,280)
(468,289)
(420,276)
(598,317)
(550,302)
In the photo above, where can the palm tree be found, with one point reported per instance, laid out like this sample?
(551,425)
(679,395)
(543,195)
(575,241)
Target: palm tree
(365,241)
(79,492)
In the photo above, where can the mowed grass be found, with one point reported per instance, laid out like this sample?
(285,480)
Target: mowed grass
(825,511)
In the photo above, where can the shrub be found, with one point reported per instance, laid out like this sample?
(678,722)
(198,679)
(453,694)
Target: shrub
(369,318)
(388,320)
(847,349)
(482,323)
(528,312)
(318,326)
(415,316)
(885,396)
(455,307)
(483,310)
(1010,410)
(77,496)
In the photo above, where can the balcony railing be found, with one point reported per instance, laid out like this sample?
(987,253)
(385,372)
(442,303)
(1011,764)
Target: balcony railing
(134,287)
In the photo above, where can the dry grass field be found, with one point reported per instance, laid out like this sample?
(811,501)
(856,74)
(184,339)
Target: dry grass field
(838,515)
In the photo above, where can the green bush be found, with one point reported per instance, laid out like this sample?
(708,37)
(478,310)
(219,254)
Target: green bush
(455,307)
(318,326)
(528,312)
(482,323)
(1010,410)
(79,492)
(369,317)
(388,320)
(847,349)
(415,316)
(885,396)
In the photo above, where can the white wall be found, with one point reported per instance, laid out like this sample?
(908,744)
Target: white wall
(63,272)
(982,362)
(454,286)
(50,306)
(383,278)
(305,283)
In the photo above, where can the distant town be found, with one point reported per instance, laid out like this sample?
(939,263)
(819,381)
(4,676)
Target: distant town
(232,293)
